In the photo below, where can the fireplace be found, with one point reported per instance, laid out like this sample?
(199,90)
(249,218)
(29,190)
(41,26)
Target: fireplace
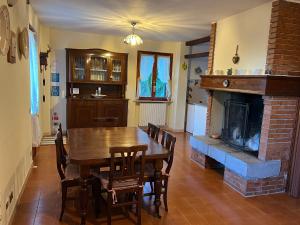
(242,122)
(253,114)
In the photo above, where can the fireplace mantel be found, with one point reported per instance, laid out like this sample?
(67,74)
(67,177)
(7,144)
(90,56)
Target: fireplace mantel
(269,85)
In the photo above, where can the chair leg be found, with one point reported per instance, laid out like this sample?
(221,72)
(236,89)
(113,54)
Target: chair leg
(165,194)
(109,206)
(139,207)
(64,190)
(151,185)
(96,189)
(130,198)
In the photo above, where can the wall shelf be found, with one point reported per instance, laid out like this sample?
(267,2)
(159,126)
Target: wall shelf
(196,55)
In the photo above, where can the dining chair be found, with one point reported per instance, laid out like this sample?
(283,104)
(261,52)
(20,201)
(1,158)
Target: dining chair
(153,131)
(60,131)
(124,178)
(69,175)
(167,141)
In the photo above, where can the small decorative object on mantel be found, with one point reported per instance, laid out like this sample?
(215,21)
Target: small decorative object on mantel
(236,57)
(4,30)
(24,43)
(225,83)
(43,59)
(268,70)
(198,70)
(11,3)
(229,71)
(11,56)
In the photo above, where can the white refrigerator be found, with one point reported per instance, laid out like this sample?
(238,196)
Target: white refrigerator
(196,119)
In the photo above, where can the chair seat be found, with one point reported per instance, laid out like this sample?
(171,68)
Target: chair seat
(119,184)
(149,171)
(72,172)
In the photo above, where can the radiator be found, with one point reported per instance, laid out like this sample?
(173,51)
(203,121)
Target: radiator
(155,113)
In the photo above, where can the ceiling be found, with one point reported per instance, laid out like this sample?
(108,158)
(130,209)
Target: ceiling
(174,20)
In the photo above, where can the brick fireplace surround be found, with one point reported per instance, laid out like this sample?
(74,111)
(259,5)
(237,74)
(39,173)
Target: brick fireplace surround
(278,129)
(281,96)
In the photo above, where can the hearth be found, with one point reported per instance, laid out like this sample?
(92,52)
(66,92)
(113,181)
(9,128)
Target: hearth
(242,122)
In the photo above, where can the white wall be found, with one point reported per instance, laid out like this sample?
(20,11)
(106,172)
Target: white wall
(61,39)
(249,30)
(45,107)
(15,118)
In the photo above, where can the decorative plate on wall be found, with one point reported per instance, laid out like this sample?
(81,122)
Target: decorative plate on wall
(24,43)
(11,56)
(11,3)
(4,30)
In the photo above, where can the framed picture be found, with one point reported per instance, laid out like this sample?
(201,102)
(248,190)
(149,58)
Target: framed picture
(54,77)
(54,90)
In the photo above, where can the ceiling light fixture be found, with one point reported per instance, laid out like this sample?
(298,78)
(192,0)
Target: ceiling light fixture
(133,39)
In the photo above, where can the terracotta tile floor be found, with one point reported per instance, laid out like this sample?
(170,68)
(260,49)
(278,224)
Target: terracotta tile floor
(196,197)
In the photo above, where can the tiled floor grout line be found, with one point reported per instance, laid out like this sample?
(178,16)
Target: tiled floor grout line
(37,208)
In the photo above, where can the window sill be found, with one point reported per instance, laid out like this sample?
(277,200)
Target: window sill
(152,101)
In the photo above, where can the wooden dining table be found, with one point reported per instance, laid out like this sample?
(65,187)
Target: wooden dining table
(89,148)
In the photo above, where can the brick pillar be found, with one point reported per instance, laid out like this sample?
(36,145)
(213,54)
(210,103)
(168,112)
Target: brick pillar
(278,129)
(212,43)
(208,114)
(284,46)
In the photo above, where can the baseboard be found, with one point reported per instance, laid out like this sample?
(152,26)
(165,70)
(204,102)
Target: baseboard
(174,130)
(21,193)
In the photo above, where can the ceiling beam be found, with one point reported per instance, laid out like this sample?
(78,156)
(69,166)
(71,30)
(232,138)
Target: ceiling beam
(198,41)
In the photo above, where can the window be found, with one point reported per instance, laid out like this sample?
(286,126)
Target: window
(34,74)
(154,74)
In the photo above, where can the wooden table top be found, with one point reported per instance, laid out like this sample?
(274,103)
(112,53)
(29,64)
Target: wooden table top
(90,146)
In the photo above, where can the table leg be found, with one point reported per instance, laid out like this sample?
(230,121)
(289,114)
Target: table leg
(157,185)
(84,174)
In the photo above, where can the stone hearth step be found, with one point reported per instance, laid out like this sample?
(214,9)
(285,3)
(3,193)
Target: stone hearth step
(241,163)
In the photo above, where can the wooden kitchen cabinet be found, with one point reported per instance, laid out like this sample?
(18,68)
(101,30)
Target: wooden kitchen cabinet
(97,113)
(81,113)
(87,71)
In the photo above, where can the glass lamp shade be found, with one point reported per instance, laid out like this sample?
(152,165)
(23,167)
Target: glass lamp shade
(133,40)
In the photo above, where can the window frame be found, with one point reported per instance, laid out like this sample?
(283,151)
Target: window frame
(154,72)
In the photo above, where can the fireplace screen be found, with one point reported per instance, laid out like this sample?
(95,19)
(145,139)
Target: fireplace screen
(242,124)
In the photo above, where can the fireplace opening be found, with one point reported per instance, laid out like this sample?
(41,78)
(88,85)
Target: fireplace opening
(242,122)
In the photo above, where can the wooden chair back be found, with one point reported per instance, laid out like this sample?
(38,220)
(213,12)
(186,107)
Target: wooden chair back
(60,157)
(124,161)
(153,131)
(60,131)
(168,141)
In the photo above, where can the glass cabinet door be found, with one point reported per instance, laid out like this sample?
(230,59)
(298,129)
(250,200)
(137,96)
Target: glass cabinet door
(78,67)
(98,68)
(116,73)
